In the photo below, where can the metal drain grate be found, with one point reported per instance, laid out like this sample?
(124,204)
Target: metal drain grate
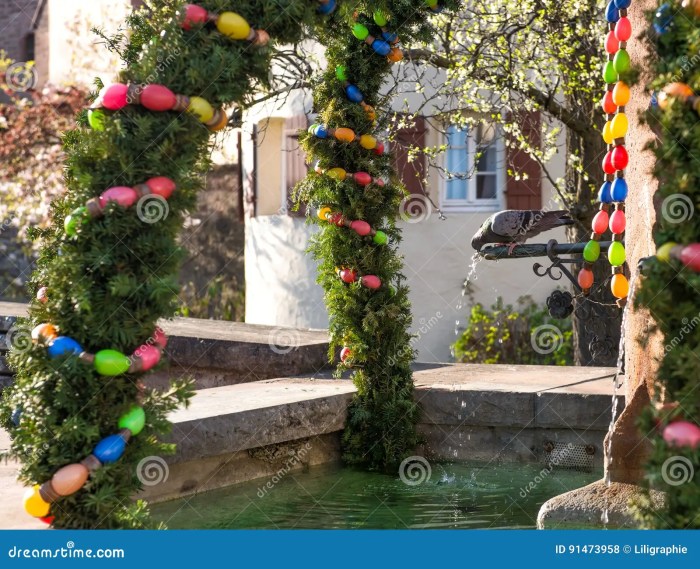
(569,456)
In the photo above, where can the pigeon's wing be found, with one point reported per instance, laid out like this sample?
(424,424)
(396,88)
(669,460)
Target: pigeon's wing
(508,224)
(520,225)
(540,221)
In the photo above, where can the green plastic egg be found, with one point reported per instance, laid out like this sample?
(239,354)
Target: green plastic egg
(380,18)
(380,238)
(360,31)
(73,221)
(96,120)
(341,73)
(111,362)
(616,254)
(591,251)
(134,420)
(621,61)
(609,73)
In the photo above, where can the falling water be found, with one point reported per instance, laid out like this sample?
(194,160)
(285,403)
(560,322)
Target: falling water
(471,276)
(615,396)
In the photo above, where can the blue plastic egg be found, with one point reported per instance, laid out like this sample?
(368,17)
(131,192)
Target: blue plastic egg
(354,94)
(64,345)
(612,12)
(390,36)
(604,195)
(663,19)
(320,131)
(327,8)
(623,4)
(110,449)
(16,416)
(381,47)
(619,190)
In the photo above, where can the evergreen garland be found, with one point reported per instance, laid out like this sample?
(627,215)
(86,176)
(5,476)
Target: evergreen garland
(670,290)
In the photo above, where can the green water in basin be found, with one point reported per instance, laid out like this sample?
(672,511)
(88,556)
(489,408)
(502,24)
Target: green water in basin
(467,496)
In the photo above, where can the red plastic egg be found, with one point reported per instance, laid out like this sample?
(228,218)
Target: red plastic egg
(114,96)
(159,337)
(345,353)
(161,186)
(611,43)
(371,281)
(336,219)
(585,279)
(48,519)
(690,256)
(608,104)
(194,15)
(379,149)
(123,195)
(360,227)
(150,356)
(619,158)
(348,276)
(682,434)
(157,98)
(600,222)
(623,29)
(362,178)
(618,222)
(608,167)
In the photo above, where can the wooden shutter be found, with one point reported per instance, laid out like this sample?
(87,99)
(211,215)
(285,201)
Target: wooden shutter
(411,173)
(294,161)
(525,194)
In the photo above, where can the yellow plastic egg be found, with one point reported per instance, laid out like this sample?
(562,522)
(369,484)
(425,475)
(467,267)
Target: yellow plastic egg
(621,94)
(324,212)
(34,504)
(619,286)
(620,124)
(344,134)
(337,173)
(607,133)
(233,26)
(201,108)
(367,141)
(663,254)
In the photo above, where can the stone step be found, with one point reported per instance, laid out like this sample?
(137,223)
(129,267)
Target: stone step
(220,353)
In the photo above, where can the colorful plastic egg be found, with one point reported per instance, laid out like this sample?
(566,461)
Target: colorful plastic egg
(34,504)
(604,195)
(600,222)
(341,73)
(609,106)
(336,219)
(326,7)
(616,254)
(391,37)
(690,256)
(337,174)
(69,479)
(380,238)
(354,94)
(111,362)
(371,282)
(611,43)
(201,108)
(618,222)
(96,119)
(585,279)
(63,345)
(620,159)
(380,18)
(623,29)
(621,94)
(348,276)
(159,337)
(345,353)
(360,31)
(612,12)
(123,195)
(692,5)
(368,141)
(379,149)
(110,449)
(381,47)
(608,167)
(623,4)
(44,332)
(591,251)
(682,434)
(619,286)
(676,89)
(161,186)
(323,213)
(663,253)
(344,134)
(609,73)
(16,416)
(42,295)
(431,3)
(663,19)
(619,126)
(621,62)
(233,26)
(149,356)
(607,133)
(194,16)
(134,420)
(158,98)
(395,55)
(619,190)
(362,178)
(114,97)
(319,131)
(75,220)
(360,227)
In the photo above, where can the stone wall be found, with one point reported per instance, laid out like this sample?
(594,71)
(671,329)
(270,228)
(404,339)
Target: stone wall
(16,20)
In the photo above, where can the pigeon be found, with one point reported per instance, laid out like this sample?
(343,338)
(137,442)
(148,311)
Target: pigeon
(515,226)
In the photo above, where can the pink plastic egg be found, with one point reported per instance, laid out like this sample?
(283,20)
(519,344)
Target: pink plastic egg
(114,96)
(348,276)
(159,337)
(123,195)
(611,43)
(194,15)
(379,182)
(345,353)
(371,281)
(682,434)
(623,29)
(379,149)
(600,222)
(150,356)
(618,222)
(619,158)
(42,295)
(690,256)
(161,186)
(608,167)
(360,227)
(362,178)
(157,98)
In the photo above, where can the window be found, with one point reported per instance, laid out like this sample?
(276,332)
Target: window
(474,165)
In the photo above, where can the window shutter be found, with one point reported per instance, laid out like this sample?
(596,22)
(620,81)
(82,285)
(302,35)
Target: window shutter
(411,173)
(525,194)
(295,161)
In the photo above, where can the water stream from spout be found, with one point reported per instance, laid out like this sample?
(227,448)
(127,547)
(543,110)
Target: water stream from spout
(471,277)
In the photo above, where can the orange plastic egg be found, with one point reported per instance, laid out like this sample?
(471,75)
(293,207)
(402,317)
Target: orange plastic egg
(679,90)
(44,332)
(693,5)
(621,94)
(585,279)
(69,479)
(619,286)
(344,134)
(395,55)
